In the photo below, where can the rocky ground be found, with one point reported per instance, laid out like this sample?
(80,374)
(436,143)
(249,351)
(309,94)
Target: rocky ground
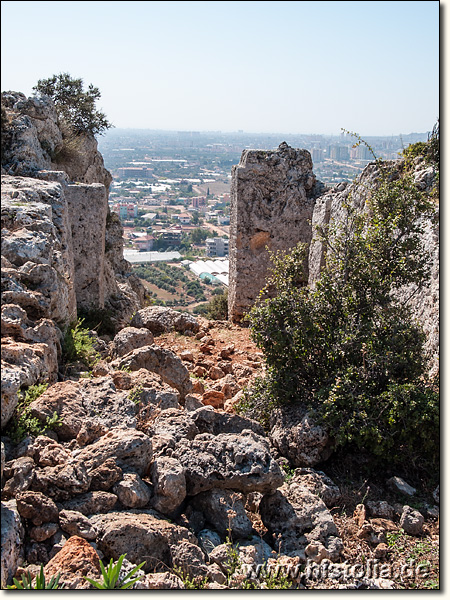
(151,460)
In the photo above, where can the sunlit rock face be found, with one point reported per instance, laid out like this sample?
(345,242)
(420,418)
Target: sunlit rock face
(272,201)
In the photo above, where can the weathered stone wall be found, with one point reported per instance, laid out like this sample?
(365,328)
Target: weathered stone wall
(88,207)
(272,201)
(61,249)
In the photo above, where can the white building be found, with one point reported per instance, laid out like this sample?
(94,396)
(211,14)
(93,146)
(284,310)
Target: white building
(217,246)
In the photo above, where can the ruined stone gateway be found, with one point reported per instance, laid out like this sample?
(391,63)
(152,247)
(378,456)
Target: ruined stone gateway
(272,200)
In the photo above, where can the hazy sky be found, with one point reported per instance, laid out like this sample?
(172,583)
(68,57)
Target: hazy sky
(287,67)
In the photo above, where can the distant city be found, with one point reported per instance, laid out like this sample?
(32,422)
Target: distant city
(171,190)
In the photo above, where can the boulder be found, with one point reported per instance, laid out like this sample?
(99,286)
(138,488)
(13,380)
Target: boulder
(36,507)
(105,475)
(157,360)
(131,450)
(208,540)
(91,503)
(62,481)
(130,338)
(213,398)
(75,523)
(76,560)
(132,492)
(302,523)
(159,319)
(141,534)
(12,538)
(46,452)
(319,484)
(380,508)
(189,558)
(208,420)
(297,438)
(43,532)
(91,401)
(175,423)
(19,475)
(240,462)
(169,484)
(160,581)
(397,484)
(225,511)
(411,521)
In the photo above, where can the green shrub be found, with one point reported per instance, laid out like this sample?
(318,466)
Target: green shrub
(78,345)
(348,348)
(74,105)
(23,423)
(217,307)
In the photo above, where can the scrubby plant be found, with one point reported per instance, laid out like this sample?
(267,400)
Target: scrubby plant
(23,423)
(348,348)
(112,578)
(217,307)
(74,105)
(39,583)
(79,345)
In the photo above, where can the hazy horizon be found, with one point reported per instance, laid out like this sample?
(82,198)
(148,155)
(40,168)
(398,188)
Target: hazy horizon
(299,68)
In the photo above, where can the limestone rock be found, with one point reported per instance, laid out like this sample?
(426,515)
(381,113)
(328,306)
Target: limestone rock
(37,507)
(380,508)
(158,360)
(175,423)
(76,559)
(131,449)
(300,519)
(160,581)
(62,481)
(132,491)
(91,503)
(159,319)
(130,338)
(19,476)
(141,535)
(240,462)
(268,190)
(12,538)
(208,420)
(213,398)
(169,484)
(189,558)
(225,511)
(75,523)
(43,532)
(297,438)
(105,475)
(318,483)
(411,521)
(208,540)
(92,400)
(397,484)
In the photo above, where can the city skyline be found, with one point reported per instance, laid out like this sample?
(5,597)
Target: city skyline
(285,67)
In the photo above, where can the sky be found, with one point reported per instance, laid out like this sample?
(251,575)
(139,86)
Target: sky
(274,67)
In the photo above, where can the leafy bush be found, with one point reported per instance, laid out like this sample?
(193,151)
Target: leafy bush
(23,423)
(217,307)
(78,345)
(348,348)
(74,105)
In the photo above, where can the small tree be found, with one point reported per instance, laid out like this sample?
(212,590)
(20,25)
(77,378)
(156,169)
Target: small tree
(349,348)
(74,105)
